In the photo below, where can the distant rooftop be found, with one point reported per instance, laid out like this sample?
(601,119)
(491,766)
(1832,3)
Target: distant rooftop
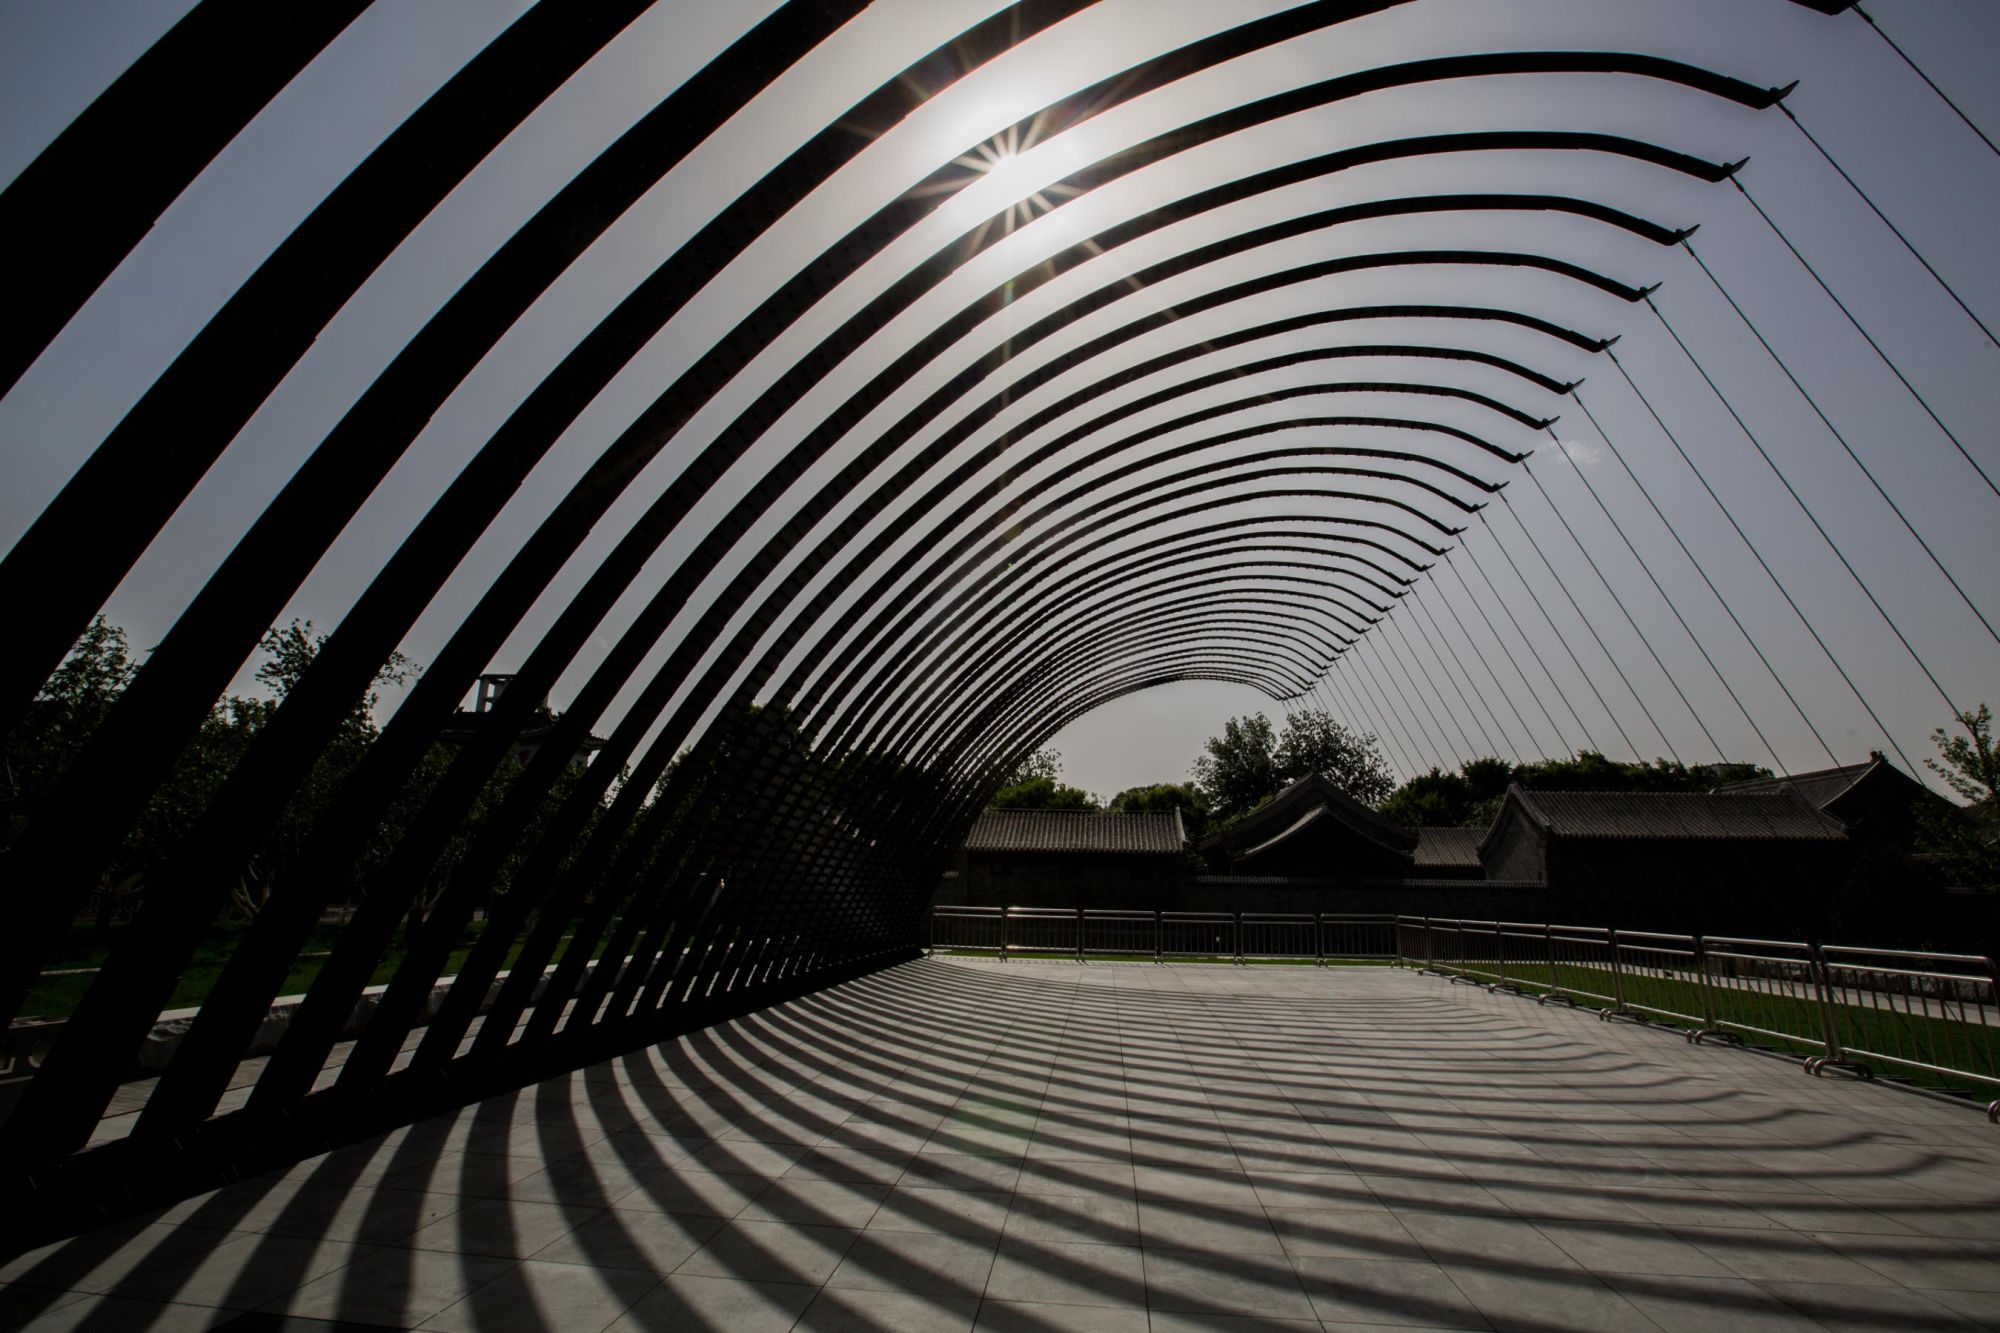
(1781,815)
(1075,831)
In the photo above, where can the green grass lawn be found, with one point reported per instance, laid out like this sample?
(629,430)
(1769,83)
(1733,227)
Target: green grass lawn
(57,997)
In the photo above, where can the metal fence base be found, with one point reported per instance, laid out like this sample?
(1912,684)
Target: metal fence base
(1701,1036)
(1622,1015)
(1819,1064)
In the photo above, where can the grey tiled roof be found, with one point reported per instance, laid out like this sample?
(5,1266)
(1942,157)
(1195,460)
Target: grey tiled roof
(1448,846)
(1819,787)
(1074,831)
(1780,815)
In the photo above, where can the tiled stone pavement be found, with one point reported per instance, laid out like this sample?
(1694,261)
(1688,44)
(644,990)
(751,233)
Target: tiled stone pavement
(1043,1146)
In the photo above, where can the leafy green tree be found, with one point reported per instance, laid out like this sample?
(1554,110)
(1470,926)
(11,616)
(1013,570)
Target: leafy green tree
(1237,774)
(1971,764)
(1351,760)
(1161,797)
(1040,793)
(1040,764)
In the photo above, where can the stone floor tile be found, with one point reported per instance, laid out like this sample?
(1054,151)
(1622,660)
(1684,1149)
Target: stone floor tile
(1333,1233)
(943,1170)
(695,1192)
(840,1311)
(923,1263)
(503,1228)
(1532,1299)
(1381,1292)
(1090,1219)
(1630,1249)
(392,1287)
(536,1296)
(1841,1308)
(1068,1274)
(1314,1189)
(771,1252)
(1195,1224)
(1707,1304)
(1779,1256)
(100,1260)
(717,1304)
(1451,1239)
(1168,1321)
(830,1203)
(1190,1281)
(93,1313)
(243,1273)
(948,1211)
(642,1241)
(1041,1317)
(1922,1261)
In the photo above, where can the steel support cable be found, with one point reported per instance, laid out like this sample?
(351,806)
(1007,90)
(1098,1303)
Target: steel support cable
(1894,230)
(1435,635)
(1838,435)
(1765,566)
(1411,654)
(375,625)
(1408,655)
(132,483)
(1363,690)
(1561,638)
(1591,560)
(1540,666)
(1418,742)
(1433,730)
(1869,338)
(93,193)
(1431,629)
(1680,619)
(962,518)
(1347,702)
(1928,82)
(1702,570)
(1492,673)
(1820,528)
(1591,626)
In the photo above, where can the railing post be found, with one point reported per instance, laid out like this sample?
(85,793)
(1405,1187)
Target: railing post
(1006,913)
(1617,973)
(1239,939)
(1319,939)
(1705,985)
(1159,936)
(1428,963)
(1555,973)
(1500,957)
(1079,934)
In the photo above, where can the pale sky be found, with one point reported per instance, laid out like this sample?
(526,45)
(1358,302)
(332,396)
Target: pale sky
(1935,179)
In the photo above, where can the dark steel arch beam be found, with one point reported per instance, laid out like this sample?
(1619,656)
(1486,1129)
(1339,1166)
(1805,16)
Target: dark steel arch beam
(95,781)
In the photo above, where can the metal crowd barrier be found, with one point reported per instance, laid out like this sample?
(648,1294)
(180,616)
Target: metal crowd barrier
(1932,1017)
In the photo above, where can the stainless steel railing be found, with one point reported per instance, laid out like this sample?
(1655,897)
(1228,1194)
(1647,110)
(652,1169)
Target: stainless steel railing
(1929,1018)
